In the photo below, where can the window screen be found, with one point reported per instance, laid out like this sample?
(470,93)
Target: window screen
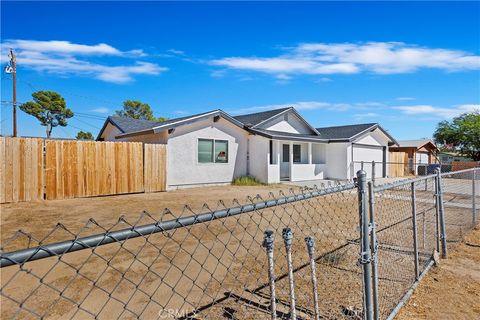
(286,153)
(221,151)
(205,150)
(297,153)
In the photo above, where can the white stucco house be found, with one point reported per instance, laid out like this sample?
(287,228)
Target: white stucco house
(278,145)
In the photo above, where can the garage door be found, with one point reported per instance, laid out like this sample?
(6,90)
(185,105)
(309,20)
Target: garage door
(367,154)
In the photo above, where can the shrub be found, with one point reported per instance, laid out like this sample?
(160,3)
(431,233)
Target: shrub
(246,181)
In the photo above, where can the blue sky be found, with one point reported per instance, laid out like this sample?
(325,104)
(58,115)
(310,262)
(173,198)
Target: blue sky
(404,65)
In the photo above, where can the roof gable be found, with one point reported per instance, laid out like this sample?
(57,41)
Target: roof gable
(416,143)
(253,119)
(351,132)
(172,123)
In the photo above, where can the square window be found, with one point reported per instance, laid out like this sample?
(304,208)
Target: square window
(205,150)
(221,151)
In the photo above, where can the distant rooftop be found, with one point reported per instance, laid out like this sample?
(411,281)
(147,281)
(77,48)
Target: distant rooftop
(414,143)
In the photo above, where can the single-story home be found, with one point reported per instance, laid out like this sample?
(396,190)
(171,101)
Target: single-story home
(423,151)
(277,145)
(419,153)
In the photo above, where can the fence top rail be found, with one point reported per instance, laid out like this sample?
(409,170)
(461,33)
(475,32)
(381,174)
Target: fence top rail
(460,171)
(400,183)
(22,256)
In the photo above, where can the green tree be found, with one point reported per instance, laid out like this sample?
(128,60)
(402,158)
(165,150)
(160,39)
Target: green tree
(84,135)
(462,133)
(138,110)
(49,108)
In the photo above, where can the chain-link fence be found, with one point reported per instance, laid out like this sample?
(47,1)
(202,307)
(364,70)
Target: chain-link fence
(214,264)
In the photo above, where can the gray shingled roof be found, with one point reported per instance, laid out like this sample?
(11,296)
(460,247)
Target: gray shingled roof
(126,124)
(413,143)
(344,132)
(253,119)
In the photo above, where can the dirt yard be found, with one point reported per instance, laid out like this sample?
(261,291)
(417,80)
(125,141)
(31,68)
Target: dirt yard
(40,217)
(219,261)
(451,290)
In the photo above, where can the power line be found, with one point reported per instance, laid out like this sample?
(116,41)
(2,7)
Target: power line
(86,123)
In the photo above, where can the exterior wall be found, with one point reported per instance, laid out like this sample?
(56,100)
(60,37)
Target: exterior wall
(258,149)
(110,132)
(337,161)
(373,151)
(319,153)
(183,168)
(292,125)
(305,171)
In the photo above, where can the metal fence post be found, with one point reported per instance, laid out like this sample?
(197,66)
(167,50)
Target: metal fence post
(365,253)
(437,213)
(374,246)
(268,239)
(373,172)
(310,241)
(287,239)
(414,226)
(361,165)
(441,216)
(474,207)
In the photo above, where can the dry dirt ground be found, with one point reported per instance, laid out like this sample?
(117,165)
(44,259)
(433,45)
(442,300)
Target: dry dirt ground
(451,290)
(180,270)
(38,218)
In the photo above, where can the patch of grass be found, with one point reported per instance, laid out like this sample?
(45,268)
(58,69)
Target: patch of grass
(247,181)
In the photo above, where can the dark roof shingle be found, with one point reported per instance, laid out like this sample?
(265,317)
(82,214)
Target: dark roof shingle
(126,124)
(253,119)
(344,132)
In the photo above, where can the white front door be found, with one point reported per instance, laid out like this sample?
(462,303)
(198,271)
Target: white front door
(285,162)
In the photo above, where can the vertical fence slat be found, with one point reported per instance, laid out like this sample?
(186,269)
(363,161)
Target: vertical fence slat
(73,169)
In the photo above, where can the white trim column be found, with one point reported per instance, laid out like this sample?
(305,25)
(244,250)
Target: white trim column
(310,153)
(291,159)
(278,153)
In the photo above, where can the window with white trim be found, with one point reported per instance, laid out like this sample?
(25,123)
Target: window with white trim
(212,151)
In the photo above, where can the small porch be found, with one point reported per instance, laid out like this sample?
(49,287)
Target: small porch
(296,161)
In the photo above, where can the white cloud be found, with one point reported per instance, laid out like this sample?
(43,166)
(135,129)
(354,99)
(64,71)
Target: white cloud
(324,79)
(101,110)
(302,105)
(366,115)
(65,58)
(405,98)
(347,58)
(66,47)
(176,52)
(441,112)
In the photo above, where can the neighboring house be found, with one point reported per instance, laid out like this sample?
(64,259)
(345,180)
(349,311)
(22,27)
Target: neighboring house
(449,157)
(277,145)
(423,151)
(419,153)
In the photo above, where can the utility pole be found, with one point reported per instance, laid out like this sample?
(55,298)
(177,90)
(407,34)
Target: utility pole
(13,60)
(12,68)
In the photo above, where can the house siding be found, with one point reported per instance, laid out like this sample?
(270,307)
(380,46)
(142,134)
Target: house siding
(259,157)
(183,169)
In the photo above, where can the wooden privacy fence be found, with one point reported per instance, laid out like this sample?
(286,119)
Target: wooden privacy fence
(36,169)
(398,164)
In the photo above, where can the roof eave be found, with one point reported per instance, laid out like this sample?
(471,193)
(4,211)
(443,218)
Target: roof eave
(165,127)
(107,121)
(281,137)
